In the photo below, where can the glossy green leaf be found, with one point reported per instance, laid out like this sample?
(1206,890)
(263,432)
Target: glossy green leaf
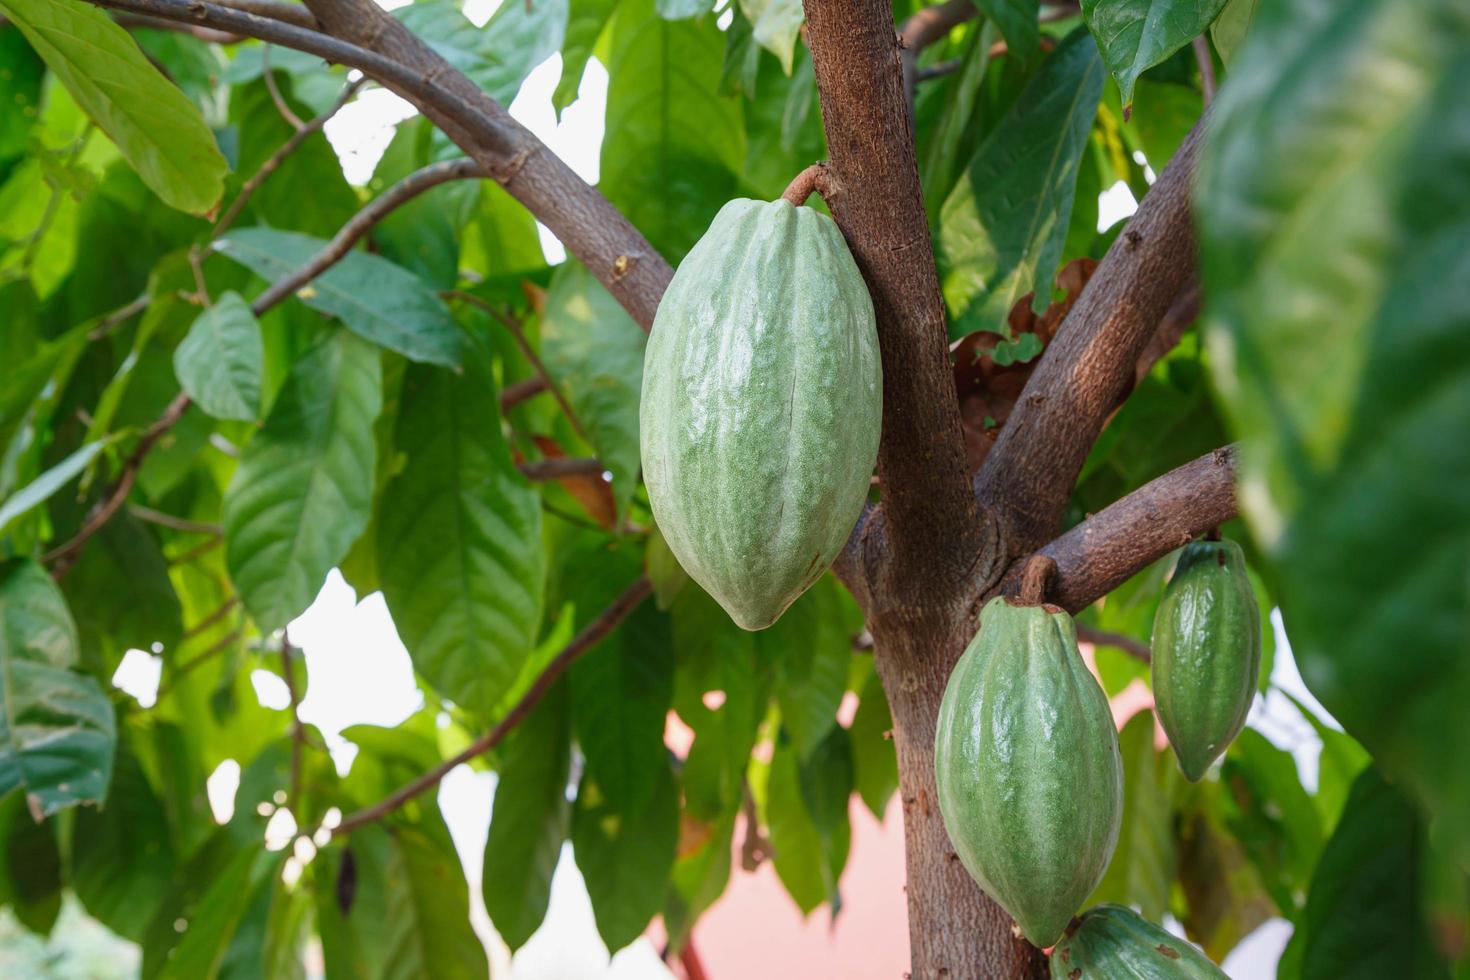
(529,822)
(594,351)
(219,364)
(674,145)
(621,691)
(956,121)
(1363,916)
(1229,29)
(1002,227)
(303,490)
(1135,35)
(625,855)
(1142,867)
(21,72)
(374,298)
(57,730)
(459,538)
(155,126)
(209,924)
(1345,368)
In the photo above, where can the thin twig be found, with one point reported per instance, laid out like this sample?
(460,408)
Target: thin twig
(594,631)
(361,223)
(290,13)
(269,77)
(206,34)
(119,316)
(102,513)
(287,148)
(189,665)
(220,613)
(560,467)
(196,265)
(1206,68)
(517,332)
(1119,641)
(819,178)
(203,547)
(522,390)
(176,523)
(298,731)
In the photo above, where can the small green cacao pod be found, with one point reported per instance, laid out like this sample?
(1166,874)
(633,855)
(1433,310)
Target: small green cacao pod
(762,403)
(1027,764)
(1206,653)
(1112,942)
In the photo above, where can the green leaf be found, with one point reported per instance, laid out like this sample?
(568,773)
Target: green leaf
(159,131)
(530,820)
(1229,29)
(210,923)
(812,651)
(56,727)
(30,865)
(585,24)
(682,9)
(459,538)
(674,145)
(664,571)
(1363,917)
(21,74)
(1002,228)
(1142,867)
(498,56)
(393,903)
(621,691)
(697,881)
(303,490)
(123,856)
(1225,900)
(1345,367)
(721,693)
(1272,816)
(594,351)
(1017,20)
(1340,763)
(874,762)
(775,25)
(809,855)
(956,120)
(220,362)
(1135,35)
(380,301)
(39,490)
(625,855)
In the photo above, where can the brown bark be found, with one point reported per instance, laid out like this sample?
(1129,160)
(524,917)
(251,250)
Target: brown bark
(1029,474)
(933,527)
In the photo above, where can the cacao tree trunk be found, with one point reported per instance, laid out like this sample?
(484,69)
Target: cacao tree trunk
(955,930)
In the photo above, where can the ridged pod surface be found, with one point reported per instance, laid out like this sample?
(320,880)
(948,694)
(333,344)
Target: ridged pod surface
(1206,653)
(762,404)
(1027,764)
(1112,942)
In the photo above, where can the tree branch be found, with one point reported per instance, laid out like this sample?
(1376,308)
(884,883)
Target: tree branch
(1106,638)
(594,631)
(560,467)
(932,524)
(1108,548)
(290,13)
(522,390)
(577,214)
(1029,474)
(298,731)
(63,556)
(364,221)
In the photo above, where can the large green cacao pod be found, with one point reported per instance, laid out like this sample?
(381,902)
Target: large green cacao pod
(1111,942)
(762,398)
(1027,763)
(1206,653)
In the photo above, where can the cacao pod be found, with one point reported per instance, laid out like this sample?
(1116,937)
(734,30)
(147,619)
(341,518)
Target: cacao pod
(1206,653)
(1027,764)
(762,402)
(1111,942)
